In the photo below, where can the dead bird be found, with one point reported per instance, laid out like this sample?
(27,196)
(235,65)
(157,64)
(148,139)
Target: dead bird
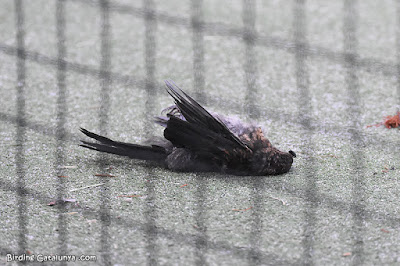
(196,140)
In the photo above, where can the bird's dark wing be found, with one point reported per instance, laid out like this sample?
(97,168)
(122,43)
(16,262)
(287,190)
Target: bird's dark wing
(201,132)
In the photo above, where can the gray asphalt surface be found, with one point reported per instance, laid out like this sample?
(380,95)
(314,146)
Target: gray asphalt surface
(313,77)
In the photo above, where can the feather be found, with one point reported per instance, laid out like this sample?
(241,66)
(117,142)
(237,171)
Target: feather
(195,114)
(152,153)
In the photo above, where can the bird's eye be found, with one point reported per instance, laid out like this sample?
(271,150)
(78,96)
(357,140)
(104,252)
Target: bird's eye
(292,153)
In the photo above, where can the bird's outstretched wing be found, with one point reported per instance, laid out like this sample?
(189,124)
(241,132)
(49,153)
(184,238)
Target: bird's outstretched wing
(201,132)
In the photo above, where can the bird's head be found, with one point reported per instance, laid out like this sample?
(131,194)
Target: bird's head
(272,162)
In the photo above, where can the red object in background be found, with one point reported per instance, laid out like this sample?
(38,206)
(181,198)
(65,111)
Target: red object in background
(392,121)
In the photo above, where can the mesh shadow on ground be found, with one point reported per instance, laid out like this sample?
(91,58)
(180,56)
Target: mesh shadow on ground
(201,218)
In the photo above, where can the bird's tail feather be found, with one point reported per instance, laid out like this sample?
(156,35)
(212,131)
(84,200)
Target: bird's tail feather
(148,153)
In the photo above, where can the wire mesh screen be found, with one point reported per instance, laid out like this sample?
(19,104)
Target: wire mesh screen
(312,74)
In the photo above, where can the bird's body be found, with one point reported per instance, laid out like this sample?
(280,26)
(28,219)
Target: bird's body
(196,140)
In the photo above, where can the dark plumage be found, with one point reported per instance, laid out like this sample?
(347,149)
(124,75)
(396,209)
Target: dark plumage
(196,140)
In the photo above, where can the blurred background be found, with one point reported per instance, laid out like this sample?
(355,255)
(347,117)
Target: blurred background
(312,74)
